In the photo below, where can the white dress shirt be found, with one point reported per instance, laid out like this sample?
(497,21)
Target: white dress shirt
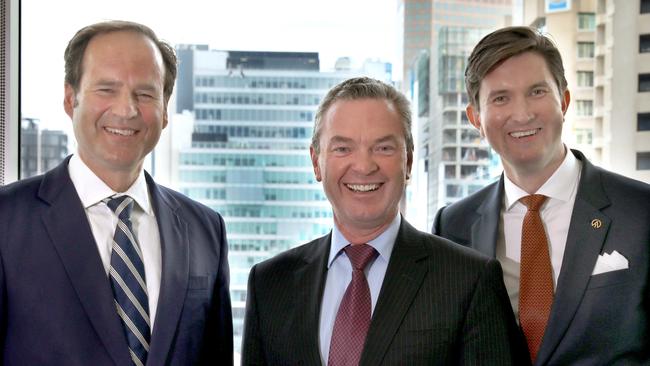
(103,221)
(561,189)
(339,275)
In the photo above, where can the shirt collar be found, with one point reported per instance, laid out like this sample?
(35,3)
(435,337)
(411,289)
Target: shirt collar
(561,185)
(92,190)
(383,243)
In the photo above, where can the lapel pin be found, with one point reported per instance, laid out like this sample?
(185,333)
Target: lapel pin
(596,223)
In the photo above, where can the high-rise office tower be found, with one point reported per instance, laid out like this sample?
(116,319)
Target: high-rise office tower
(605,46)
(248,157)
(438,36)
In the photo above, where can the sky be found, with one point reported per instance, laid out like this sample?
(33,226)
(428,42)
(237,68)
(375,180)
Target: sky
(335,28)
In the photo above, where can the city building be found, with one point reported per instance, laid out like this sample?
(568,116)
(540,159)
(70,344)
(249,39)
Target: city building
(245,151)
(605,46)
(438,36)
(40,150)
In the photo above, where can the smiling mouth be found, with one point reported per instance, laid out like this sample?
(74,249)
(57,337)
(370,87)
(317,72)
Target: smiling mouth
(120,131)
(363,187)
(520,134)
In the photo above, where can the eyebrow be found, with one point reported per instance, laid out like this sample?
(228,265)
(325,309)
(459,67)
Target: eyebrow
(341,139)
(387,138)
(505,91)
(107,82)
(115,83)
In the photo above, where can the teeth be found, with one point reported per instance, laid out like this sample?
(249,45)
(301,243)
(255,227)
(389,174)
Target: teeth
(363,187)
(116,131)
(520,134)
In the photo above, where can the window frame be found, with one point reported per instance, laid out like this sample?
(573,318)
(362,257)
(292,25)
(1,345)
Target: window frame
(591,21)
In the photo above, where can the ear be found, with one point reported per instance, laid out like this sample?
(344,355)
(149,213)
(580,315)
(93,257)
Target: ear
(165,118)
(69,100)
(566,98)
(474,117)
(314,163)
(409,165)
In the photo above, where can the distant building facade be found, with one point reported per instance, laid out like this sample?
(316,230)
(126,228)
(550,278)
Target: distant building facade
(40,150)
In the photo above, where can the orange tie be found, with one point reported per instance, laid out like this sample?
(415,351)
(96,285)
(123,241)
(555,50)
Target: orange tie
(536,277)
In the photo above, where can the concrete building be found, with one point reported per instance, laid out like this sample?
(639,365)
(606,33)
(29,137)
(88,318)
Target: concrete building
(246,152)
(605,45)
(438,36)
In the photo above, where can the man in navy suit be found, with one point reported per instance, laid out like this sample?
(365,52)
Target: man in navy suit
(59,277)
(596,223)
(420,299)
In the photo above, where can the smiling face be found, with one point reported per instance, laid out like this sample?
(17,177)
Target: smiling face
(118,112)
(363,164)
(521,115)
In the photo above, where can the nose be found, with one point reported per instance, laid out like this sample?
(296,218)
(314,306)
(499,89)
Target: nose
(125,106)
(521,111)
(364,162)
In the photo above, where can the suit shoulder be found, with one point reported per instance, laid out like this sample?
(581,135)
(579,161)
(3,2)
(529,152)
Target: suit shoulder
(454,221)
(613,182)
(18,191)
(22,186)
(447,250)
(288,260)
(471,202)
(189,205)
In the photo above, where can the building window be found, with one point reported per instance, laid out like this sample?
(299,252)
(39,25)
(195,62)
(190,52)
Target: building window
(644,82)
(644,43)
(584,108)
(584,136)
(585,78)
(586,21)
(585,49)
(645,6)
(455,190)
(643,121)
(643,160)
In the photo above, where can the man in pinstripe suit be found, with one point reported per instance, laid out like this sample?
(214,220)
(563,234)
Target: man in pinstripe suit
(431,301)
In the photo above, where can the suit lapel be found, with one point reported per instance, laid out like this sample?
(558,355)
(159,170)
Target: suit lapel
(584,244)
(485,229)
(175,272)
(403,279)
(309,282)
(69,231)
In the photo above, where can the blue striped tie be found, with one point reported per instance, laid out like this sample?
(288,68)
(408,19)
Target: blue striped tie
(128,281)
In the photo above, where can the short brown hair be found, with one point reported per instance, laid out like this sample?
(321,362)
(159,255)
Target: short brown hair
(364,88)
(76,48)
(504,43)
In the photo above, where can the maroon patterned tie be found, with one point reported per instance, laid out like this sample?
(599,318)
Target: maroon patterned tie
(536,277)
(353,318)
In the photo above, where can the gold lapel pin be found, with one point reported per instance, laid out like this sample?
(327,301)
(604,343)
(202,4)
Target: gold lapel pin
(596,223)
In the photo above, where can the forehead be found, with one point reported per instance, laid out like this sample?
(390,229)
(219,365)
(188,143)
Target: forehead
(521,70)
(123,49)
(366,113)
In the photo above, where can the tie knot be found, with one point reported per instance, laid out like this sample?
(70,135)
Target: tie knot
(360,255)
(534,201)
(121,205)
